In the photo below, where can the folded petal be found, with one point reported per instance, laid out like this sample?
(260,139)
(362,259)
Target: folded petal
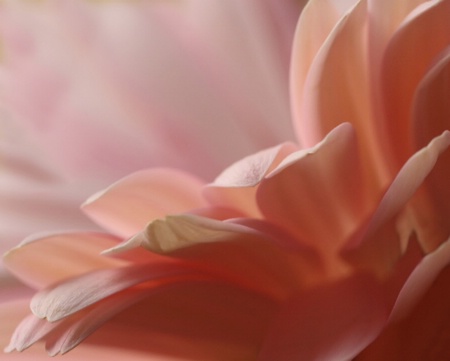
(128,205)
(70,254)
(235,187)
(244,253)
(322,185)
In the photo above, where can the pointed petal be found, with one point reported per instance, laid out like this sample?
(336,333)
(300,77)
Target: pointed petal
(71,254)
(70,296)
(247,254)
(332,322)
(400,79)
(235,187)
(431,117)
(322,185)
(316,22)
(129,204)
(408,180)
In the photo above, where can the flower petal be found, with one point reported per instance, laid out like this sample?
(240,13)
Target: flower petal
(316,22)
(271,262)
(322,185)
(70,296)
(71,254)
(129,204)
(235,187)
(332,322)
(400,78)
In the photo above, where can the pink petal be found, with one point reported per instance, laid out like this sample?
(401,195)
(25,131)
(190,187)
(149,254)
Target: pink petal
(315,24)
(420,281)
(271,263)
(73,295)
(431,117)
(334,321)
(400,79)
(128,205)
(422,333)
(322,185)
(408,180)
(71,254)
(235,187)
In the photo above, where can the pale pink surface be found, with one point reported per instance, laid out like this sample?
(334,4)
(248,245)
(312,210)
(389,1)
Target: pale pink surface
(93,91)
(326,252)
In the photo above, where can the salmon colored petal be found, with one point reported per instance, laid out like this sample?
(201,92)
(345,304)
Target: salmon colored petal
(70,296)
(332,322)
(400,78)
(420,281)
(315,24)
(235,187)
(408,180)
(431,116)
(385,239)
(385,18)
(71,254)
(322,185)
(337,90)
(272,263)
(423,333)
(128,205)
(11,313)
(193,321)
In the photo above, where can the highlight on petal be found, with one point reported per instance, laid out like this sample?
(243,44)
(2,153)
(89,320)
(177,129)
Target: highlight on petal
(316,22)
(257,256)
(331,322)
(129,204)
(317,186)
(407,182)
(420,281)
(235,187)
(70,296)
(400,78)
(45,259)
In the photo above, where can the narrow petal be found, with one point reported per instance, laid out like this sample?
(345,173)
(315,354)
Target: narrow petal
(235,187)
(128,205)
(316,22)
(431,116)
(332,322)
(71,254)
(420,326)
(70,296)
(337,89)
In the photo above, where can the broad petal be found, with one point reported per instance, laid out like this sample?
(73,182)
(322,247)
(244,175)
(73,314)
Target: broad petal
(322,185)
(268,262)
(400,78)
(337,89)
(70,254)
(407,182)
(128,205)
(332,322)
(235,187)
